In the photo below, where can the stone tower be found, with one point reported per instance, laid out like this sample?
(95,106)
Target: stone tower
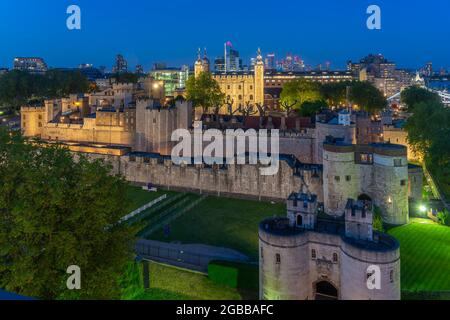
(302,210)
(331,260)
(259,79)
(359,220)
(377,172)
(202,64)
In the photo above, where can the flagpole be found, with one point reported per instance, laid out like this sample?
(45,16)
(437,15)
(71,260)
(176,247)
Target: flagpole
(225,56)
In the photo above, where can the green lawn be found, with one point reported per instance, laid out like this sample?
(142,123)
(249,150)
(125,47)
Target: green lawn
(171,283)
(425,255)
(139,197)
(225,222)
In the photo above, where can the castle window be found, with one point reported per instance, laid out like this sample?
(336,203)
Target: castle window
(337,178)
(251,87)
(391,276)
(348,178)
(335,257)
(313,254)
(397,162)
(278,258)
(239,87)
(154,120)
(240,97)
(40,117)
(146,160)
(228,87)
(262,253)
(132,159)
(40,124)
(24,117)
(251,97)
(366,158)
(24,124)
(403,183)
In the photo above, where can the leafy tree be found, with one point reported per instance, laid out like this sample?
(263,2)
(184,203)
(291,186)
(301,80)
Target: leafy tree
(367,97)
(311,108)
(126,77)
(377,223)
(56,212)
(443,217)
(18,87)
(204,92)
(414,95)
(296,92)
(335,93)
(428,131)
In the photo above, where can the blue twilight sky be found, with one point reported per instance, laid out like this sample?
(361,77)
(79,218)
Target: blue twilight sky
(145,31)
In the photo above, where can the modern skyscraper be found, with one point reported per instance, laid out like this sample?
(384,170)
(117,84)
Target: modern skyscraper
(121,64)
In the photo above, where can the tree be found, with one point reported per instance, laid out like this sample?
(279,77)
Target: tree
(17,88)
(126,77)
(56,212)
(335,93)
(311,108)
(428,131)
(413,95)
(443,216)
(204,92)
(296,92)
(377,223)
(367,97)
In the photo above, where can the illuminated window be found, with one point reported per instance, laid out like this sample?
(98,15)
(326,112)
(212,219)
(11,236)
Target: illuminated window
(366,158)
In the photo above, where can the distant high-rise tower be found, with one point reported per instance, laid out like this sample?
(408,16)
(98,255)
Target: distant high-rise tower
(429,69)
(270,61)
(121,64)
(139,69)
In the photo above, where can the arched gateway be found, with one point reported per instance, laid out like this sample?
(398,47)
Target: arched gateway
(324,290)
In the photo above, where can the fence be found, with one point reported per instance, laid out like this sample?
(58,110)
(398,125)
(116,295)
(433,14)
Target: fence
(143,208)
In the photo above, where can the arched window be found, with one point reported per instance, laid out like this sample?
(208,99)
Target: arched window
(335,257)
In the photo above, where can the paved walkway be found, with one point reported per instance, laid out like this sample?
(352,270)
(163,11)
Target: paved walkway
(190,256)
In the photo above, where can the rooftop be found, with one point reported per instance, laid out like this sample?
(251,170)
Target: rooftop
(333,226)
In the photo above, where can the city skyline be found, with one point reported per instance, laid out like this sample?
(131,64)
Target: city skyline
(335,32)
